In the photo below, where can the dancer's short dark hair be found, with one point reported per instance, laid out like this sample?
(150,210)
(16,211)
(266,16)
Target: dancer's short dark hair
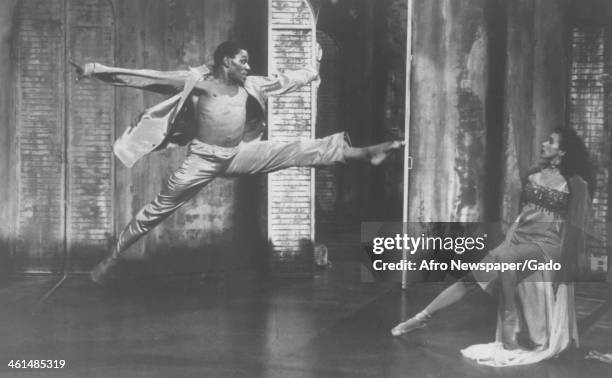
(226,49)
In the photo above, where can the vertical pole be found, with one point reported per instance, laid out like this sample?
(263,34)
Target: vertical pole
(407,159)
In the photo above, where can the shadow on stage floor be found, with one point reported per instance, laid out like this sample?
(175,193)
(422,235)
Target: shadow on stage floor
(332,325)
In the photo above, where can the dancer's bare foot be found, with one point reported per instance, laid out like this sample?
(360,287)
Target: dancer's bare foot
(101,273)
(379,152)
(418,321)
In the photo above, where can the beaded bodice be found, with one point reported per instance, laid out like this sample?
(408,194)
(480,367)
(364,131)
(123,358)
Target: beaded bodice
(547,199)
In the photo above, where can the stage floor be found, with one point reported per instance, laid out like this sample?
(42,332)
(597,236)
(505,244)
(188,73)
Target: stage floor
(332,325)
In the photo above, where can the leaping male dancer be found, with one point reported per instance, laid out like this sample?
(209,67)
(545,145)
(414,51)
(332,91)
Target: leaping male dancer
(218,148)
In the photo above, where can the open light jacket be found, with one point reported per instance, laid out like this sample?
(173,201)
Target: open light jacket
(169,121)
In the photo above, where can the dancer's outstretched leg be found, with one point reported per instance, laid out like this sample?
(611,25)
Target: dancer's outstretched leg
(185,182)
(450,295)
(271,156)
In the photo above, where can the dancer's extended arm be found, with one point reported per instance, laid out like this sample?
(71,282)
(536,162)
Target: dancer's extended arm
(165,82)
(261,87)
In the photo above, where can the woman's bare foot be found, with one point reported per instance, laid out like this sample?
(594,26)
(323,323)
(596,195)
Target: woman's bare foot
(418,321)
(379,152)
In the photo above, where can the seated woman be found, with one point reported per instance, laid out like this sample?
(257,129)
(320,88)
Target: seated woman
(555,205)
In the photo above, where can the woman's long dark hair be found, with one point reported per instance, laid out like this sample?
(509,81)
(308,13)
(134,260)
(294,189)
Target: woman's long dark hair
(576,161)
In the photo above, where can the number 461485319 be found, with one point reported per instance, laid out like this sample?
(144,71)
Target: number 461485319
(37,364)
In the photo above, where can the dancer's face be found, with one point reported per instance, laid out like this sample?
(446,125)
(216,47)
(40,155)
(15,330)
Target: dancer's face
(238,67)
(551,148)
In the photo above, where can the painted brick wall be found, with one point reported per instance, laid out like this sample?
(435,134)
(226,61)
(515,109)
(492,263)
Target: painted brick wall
(290,192)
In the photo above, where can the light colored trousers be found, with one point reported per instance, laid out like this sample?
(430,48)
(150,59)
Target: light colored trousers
(205,162)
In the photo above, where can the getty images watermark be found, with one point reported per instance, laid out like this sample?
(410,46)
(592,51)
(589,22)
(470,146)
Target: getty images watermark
(462,266)
(456,244)
(442,247)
